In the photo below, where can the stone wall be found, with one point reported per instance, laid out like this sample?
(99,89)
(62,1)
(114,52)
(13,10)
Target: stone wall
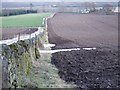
(17,61)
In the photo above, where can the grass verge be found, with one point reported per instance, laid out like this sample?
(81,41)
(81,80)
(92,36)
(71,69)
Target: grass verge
(44,74)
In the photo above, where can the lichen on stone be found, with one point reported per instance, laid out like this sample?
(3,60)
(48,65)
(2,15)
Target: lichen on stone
(20,61)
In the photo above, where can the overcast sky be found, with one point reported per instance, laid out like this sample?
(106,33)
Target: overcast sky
(58,0)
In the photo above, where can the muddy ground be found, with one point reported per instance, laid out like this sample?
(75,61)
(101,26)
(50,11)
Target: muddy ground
(8,33)
(86,68)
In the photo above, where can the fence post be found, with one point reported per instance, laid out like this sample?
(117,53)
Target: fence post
(19,37)
(35,35)
(30,36)
(30,39)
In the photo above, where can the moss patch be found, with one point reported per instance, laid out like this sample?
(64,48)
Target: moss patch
(20,61)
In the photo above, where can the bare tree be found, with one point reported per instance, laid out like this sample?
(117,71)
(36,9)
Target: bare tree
(89,5)
(92,5)
(31,6)
(86,5)
(61,6)
(6,12)
(119,4)
(43,8)
(108,8)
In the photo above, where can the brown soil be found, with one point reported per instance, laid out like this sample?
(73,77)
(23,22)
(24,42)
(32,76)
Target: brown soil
(7,33)
(87,69)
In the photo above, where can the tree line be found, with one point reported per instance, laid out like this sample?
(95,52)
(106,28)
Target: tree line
(10,12)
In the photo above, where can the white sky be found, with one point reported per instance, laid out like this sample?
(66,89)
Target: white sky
(58,0)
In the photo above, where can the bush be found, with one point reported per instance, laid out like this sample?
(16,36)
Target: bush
(10,12)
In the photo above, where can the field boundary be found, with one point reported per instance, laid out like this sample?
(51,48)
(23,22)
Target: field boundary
(19,37)
(22,37)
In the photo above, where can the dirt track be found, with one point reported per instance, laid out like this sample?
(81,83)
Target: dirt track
(87,69)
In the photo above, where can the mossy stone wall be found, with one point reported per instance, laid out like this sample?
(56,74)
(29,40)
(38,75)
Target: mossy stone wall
(18,57)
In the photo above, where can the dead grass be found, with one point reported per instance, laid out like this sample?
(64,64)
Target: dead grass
(44,74)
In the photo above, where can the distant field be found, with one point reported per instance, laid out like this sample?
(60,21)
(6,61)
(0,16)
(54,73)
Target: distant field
(27,20)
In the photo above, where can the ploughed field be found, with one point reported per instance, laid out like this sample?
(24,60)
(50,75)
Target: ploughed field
(11,26)
(9,33)
(96,68)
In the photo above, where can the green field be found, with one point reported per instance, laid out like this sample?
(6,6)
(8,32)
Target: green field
(26,20)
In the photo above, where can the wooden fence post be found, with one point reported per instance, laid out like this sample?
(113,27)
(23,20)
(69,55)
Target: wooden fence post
(30,36)
(19,37)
